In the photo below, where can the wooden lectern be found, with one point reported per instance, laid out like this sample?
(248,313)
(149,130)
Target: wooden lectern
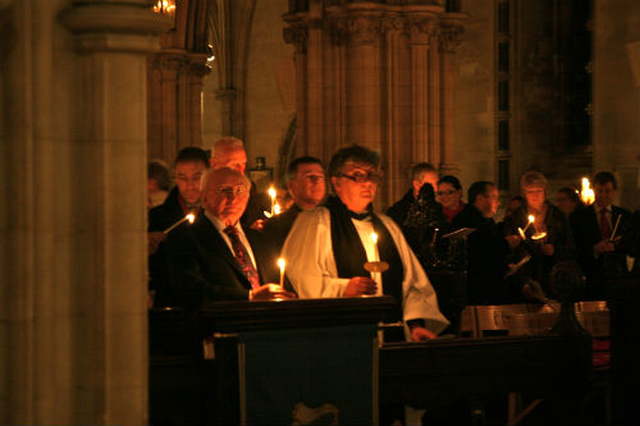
(276,362)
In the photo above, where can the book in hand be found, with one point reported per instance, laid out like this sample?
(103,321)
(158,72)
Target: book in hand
(460,233)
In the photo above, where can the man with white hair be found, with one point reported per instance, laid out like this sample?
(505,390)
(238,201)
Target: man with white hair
(230,152)
(213,259)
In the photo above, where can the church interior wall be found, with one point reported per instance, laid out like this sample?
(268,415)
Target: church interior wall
(616,106)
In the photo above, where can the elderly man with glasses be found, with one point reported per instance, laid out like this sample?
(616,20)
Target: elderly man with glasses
(328,246)
(214,259)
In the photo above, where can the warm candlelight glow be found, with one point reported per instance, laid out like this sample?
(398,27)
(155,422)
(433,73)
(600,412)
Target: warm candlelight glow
(272,194)
(586,193)
(374,238)
(277,209)
(190,218)
(281,264)
(165,6)
(531,220)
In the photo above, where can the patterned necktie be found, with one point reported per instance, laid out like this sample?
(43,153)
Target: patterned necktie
(242,256)
(605,227)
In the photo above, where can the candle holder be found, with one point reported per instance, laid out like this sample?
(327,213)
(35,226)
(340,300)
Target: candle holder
(377,266)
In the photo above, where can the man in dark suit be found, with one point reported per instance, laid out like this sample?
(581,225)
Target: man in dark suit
(213,259)
(487,248)
(593,234)
(191,162)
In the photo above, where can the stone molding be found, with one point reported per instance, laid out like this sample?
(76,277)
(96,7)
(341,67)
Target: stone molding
(123,26)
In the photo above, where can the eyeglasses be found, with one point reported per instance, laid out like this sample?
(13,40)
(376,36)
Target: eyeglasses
(359,177)
(449,192)
(228,191)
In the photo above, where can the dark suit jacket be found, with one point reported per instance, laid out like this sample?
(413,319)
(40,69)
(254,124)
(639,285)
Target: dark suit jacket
(585,227)
(202,266)
(161,218)
(487,252)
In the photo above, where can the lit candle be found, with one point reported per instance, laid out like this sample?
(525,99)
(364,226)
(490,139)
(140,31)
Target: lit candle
(281,264)
(190,217)
(272,194)
(277,209)
(531,220)
(586,194)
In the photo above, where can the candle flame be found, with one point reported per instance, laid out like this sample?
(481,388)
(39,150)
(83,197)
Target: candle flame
(191,217)
(281,264)
(165,6)
(531,218)
(374,238)
(272,192)
(277,209)
(586,194)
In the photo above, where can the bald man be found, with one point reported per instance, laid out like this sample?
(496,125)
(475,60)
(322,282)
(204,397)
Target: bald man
(230,152)
(213,259)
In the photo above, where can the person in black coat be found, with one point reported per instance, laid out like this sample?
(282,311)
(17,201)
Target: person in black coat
(556,245)
(487,248)
(214,259)
(184,198)
(598,253)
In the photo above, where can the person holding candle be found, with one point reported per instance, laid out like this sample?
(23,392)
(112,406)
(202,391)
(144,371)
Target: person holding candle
(547,238)
(328,246)
(190,163)
(215,258)
(230,152)
(595,239)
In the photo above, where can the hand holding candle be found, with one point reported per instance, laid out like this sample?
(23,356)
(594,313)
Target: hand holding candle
(521,231)
(190,217)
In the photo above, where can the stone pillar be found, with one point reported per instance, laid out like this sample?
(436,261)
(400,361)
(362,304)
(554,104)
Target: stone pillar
(230,24)
(73,294)
(378,81)
(296,34)
(424,97)
(363,81)
(176,76)
(449,41)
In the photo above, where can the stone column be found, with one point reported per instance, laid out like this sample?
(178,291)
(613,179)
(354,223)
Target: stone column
(73,315)
(423,95)
(363,81)
(449,40)
(296,34)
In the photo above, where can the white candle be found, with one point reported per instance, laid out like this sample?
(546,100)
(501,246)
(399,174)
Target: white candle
(281,264)
(272,195)
(531,220)
(190,217)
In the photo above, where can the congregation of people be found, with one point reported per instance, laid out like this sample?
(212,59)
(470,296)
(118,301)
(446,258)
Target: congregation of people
(429,242)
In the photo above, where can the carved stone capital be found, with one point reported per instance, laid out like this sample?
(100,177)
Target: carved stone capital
(363,29)
(449,36)
(421,29)
(297,33)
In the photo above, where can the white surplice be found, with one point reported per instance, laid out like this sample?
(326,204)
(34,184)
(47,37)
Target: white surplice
(312,269)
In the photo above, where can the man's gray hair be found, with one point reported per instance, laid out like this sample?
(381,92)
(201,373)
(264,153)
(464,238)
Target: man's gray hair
(225,144)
